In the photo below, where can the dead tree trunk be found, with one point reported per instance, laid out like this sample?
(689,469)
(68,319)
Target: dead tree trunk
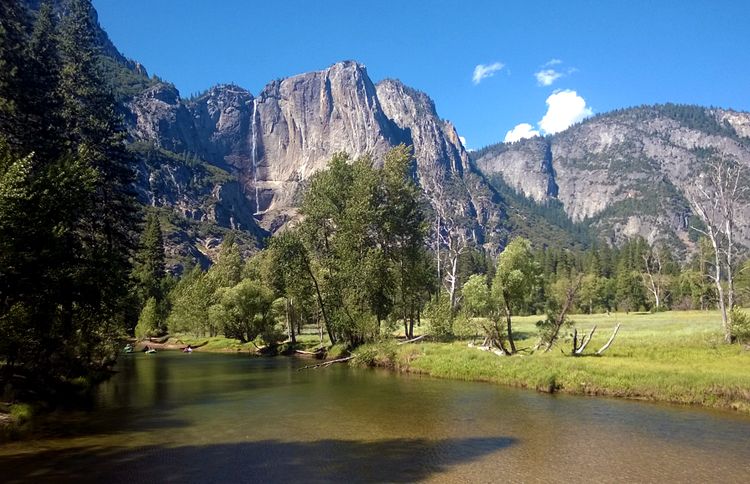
(578,349)
(560,320)
(608,343)
(715,198)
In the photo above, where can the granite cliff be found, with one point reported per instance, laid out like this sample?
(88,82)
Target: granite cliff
(271,144)
(626,173)
(228,160)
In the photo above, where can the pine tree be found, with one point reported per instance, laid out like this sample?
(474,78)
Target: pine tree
(41,103)
(95,135)
(150,266)
(13,38)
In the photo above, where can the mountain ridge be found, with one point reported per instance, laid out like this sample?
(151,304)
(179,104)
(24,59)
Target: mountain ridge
(228,160)
(644,157)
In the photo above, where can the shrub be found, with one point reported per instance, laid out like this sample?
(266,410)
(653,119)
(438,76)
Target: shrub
(148,322)
(438,311)
(740,328)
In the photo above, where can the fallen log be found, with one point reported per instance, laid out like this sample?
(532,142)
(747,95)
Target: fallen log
(141,345)
(488,346)
(327,363)
(310,353)
(413,340)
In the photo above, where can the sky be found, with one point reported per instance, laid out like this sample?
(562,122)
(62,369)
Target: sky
(499,70)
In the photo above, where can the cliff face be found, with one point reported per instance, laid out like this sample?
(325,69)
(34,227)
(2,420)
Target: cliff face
(449,181)
(301,121)
(272,143)
(228,160)
(626,172)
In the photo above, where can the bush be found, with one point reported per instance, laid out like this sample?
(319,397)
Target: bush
(740,328)
(438,311)
(464,326)
(148,322)
(381,354)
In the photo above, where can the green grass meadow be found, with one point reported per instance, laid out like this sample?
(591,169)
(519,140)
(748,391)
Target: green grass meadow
(674,357)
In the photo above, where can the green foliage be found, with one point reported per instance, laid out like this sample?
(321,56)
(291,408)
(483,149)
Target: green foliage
(363,236)
(438,312)
(66,204)
(476,296)
(517,275)
(149,320)
(228,269)
(243,312)
(381,354)
(740,325)
(124,81)
(190,300)
(149,268)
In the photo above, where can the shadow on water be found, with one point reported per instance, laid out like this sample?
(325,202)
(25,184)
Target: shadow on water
(395,460)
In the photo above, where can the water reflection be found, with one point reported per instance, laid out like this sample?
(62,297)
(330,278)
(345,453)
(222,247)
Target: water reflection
(218,417)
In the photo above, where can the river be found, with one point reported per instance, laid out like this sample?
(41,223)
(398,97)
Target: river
(212,417)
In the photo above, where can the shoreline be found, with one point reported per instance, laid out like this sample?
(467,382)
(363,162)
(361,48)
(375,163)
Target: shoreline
(525,372)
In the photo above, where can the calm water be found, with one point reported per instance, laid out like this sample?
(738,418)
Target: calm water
(203,417)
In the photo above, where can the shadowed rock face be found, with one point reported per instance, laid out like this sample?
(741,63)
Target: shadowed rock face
(436,143)
(277,140)
(626,172)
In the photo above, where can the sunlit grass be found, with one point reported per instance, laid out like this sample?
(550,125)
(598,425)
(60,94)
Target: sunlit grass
(671,356)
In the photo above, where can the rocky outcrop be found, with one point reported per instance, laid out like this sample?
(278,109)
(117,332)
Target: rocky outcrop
(436,143)
(301,121)
(159,117)
(526,166)
(272,143)
(626,173)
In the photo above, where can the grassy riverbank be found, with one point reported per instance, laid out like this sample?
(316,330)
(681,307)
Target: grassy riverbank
(672,357)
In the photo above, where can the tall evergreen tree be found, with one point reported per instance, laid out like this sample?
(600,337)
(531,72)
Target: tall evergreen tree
(149,269)
(41,102)
(13,38)
(95,134)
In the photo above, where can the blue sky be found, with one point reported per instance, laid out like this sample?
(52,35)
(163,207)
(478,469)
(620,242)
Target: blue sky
(607,54)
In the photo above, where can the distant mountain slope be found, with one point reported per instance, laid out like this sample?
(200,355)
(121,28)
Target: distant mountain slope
(228,160)
(625,173)
(274,142)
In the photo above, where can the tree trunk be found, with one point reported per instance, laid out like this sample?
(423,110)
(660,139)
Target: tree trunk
(720,291)
(289,323)
(510,329)
(322,306)
(611,339)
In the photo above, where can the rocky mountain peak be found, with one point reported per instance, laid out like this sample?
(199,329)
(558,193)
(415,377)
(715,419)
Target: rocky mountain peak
(626,173)
(435,141)
(272,143)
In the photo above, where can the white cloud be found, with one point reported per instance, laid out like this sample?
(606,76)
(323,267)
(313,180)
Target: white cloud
(463,143)
(564,108)
(548,73)
(482,71)
(546,77)
(521,131)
